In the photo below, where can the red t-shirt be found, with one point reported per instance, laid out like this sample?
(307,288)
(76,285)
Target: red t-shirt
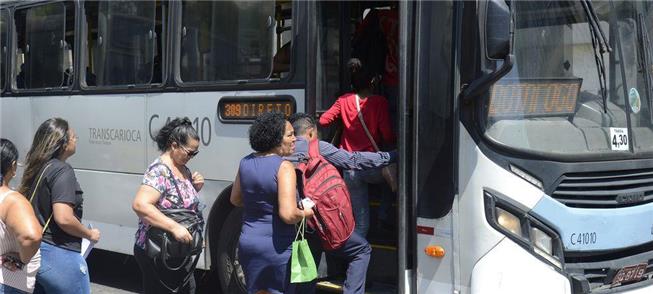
(375,114)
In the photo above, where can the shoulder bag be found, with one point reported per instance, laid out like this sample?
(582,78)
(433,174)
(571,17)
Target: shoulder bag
(389,172)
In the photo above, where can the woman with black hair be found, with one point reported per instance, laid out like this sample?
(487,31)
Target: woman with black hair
(20,232)
(168,184)
(374,111)
(50,182)
(265,187)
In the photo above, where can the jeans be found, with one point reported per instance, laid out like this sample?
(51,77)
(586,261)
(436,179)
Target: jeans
(355,253)
(4,289)
(62,271)
(357,182)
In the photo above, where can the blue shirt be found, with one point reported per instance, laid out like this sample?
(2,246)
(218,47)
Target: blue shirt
(343,159)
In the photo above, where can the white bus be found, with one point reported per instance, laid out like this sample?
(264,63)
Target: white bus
(525,128)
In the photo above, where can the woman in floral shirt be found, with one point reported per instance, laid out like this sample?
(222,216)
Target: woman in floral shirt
(168,184)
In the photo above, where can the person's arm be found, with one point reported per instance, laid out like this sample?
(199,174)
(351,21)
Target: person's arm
(330,115)
(356,160)
(22,222)
(64,198)
(287,193)
(145,207)
(385,125)
(64,216)
(236,197)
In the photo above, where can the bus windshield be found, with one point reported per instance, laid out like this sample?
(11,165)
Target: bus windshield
(563,96)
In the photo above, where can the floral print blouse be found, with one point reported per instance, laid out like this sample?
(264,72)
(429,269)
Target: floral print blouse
(159,177)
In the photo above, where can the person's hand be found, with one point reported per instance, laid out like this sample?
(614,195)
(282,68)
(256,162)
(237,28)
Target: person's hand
(198,181)
(94,235)
(11,261)
(181,234)
(309,213)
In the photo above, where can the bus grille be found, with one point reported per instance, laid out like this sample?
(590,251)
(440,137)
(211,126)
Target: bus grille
(600,270)
(605,189)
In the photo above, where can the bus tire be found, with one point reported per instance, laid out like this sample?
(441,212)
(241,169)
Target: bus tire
(232,278)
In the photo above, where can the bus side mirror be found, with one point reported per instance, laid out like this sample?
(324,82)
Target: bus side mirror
(497,29)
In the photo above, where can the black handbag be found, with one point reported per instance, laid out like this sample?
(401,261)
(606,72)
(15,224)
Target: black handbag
(162,245)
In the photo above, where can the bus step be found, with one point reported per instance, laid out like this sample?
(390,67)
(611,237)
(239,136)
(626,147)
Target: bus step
(383,247)
(334,286)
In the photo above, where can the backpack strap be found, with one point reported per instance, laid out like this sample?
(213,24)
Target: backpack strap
(314,156)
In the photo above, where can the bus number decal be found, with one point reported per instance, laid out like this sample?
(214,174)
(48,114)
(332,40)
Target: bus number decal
(583,238)
(203,128)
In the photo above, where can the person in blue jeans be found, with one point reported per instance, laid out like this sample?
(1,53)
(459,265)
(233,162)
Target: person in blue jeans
(57,204)
(356,251)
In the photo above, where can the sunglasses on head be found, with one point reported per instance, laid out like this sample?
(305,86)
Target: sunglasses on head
(190,153)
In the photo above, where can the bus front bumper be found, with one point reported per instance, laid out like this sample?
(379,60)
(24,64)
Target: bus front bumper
(508,268)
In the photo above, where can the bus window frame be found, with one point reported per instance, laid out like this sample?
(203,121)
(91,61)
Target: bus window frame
(127,88)
(8,65)
(13,34)
(221,84)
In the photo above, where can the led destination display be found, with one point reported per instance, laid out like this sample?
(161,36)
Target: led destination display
(533,97)
(248,108)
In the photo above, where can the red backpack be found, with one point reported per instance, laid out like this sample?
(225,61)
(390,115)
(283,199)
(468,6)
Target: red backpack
(322,183)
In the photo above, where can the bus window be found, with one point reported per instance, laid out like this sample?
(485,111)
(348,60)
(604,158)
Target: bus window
(434,107)
(233,40)
(45,39)
(4,17)
(123,43)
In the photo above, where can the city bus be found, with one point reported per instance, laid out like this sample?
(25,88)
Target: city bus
(525,128)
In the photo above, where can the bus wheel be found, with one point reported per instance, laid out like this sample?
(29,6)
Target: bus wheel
(230,272)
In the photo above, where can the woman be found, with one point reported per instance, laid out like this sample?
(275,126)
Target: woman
(57,201)
(168,184)
(265,187)
(20,232)
(374,109)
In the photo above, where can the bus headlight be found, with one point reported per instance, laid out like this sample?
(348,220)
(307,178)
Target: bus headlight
(508,221)
(523,228)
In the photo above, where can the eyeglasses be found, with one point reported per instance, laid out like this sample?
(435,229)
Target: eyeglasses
(190,153)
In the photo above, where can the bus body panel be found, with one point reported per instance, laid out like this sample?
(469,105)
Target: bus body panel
(435,275)
(115,146)
(477,174)
(508,269)
(590,229)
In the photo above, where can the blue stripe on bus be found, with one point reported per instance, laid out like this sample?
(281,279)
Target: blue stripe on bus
(597,229)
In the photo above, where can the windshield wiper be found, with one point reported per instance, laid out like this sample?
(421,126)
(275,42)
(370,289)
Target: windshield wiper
(600,42)
(645,59)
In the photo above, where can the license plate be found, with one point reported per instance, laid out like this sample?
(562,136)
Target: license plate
(630,274)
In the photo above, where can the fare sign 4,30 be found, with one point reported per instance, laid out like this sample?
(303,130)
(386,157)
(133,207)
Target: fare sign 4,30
(619,139)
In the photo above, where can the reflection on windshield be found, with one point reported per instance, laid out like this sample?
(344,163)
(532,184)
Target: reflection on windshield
(551,101)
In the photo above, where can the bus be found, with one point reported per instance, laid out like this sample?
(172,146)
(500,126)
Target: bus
(525,128)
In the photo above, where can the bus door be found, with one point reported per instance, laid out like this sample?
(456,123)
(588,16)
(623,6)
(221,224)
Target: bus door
(335,26)
(428,141)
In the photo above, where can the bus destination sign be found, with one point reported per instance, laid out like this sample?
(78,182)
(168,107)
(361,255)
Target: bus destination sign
(246,109)
(533,97)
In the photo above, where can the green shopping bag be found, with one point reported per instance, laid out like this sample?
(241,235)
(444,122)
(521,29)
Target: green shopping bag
(302,264)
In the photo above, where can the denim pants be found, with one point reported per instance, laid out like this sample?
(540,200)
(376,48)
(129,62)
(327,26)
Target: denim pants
(355,253)
(4,289)
(357,182)
(62,271)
